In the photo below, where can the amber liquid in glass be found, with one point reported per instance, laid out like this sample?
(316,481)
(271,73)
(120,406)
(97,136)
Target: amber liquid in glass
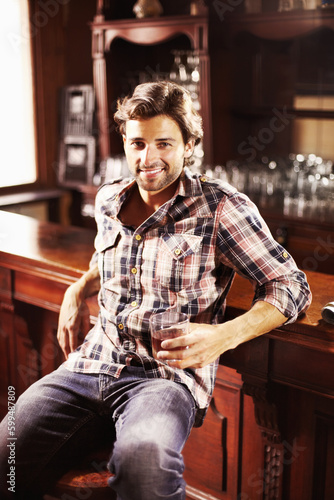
(166,333)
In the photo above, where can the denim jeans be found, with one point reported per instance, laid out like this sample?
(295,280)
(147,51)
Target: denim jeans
(65,415)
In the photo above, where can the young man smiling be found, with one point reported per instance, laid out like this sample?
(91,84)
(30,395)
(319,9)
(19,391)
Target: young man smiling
(167,239)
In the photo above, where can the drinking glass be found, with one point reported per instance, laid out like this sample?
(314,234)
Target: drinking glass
(167,325)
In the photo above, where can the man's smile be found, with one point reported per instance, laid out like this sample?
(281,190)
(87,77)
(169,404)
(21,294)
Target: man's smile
(151,172)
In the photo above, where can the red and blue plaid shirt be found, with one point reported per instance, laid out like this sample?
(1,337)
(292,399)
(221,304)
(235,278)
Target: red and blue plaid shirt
(184,256)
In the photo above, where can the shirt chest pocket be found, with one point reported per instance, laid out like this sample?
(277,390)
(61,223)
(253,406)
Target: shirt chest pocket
(178,263)
(106,248)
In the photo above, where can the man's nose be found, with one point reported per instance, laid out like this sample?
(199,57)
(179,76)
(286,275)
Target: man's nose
(148,156)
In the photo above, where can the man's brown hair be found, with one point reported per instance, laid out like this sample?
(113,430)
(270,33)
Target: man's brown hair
(161,98)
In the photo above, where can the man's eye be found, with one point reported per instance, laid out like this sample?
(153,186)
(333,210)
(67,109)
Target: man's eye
(164,144)
(137,145)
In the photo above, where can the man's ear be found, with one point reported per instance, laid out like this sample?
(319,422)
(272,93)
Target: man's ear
(124,139)
(189,148)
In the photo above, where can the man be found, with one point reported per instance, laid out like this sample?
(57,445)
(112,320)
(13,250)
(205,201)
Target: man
(167,239)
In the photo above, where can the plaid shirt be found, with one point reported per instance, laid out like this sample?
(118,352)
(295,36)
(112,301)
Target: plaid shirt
(184,256)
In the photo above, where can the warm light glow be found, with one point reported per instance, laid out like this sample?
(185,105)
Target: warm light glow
(314,134)
(18,160)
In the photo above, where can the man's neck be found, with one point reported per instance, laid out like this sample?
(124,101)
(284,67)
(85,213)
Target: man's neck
(141,204)
(151,201)
(137,208)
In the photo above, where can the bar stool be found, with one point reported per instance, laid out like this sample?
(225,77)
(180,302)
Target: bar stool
(89,480)
(84,484)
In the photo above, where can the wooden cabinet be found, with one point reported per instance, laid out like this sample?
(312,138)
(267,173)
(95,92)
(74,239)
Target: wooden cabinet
(283,62)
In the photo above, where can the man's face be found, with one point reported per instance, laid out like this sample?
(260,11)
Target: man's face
(155,152)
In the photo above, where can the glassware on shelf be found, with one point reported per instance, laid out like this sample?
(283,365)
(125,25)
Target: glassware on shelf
(302,186)
(174,72)
(186,71)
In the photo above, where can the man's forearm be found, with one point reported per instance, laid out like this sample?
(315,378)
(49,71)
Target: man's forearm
(74,312)
(89,283)
(261,318)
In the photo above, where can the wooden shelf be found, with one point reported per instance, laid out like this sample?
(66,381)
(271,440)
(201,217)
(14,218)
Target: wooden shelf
(150,31)
(282,25)
(264,111)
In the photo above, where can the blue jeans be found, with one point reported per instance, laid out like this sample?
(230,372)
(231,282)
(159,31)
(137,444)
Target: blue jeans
(65,415)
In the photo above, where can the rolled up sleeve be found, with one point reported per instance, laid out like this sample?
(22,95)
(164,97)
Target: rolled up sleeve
(290,294)
(246,245)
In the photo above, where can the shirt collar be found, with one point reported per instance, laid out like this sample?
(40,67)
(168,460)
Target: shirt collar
(115,201)
(189,185)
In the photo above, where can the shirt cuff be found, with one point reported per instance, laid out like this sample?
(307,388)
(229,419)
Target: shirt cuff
(290,294)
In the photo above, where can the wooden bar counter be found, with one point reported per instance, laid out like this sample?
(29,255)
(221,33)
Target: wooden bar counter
(269,432)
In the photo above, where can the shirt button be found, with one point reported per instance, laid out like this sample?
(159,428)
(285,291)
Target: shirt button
(121,326)
(285,255)
(203,179)
(138,237)
(177,251)
(134,303)
(134,270)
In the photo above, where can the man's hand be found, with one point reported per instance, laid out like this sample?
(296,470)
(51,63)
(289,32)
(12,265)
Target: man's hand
(205,343)
(201,346)
(73,322)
